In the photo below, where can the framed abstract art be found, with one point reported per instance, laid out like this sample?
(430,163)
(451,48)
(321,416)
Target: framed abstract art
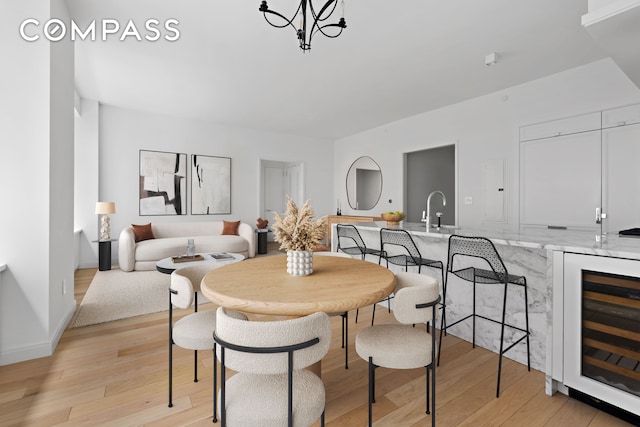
(210,185)
(163,183)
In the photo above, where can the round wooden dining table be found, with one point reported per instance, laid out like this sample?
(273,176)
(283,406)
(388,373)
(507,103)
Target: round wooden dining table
(263,286)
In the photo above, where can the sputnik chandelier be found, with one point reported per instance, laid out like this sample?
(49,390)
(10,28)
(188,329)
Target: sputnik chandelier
(309,22)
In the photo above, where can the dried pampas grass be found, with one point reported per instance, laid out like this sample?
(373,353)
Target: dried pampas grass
(296,230)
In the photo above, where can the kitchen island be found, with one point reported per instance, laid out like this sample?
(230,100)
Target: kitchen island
(537,254)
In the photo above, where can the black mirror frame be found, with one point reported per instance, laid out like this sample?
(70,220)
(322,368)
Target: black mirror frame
(353,196)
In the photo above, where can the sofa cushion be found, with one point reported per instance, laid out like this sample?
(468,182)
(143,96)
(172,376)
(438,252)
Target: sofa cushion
(142,232)
(230,227)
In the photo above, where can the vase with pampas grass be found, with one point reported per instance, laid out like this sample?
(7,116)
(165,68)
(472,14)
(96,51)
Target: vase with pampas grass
(299,233)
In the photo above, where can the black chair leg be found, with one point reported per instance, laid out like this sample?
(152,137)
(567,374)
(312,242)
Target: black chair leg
(346,340)
(215,382)
(195,366)
(371,391)
(427,391)
(322,419)
(170,352)
(170,374)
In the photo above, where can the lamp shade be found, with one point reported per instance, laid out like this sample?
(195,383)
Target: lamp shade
(105,207)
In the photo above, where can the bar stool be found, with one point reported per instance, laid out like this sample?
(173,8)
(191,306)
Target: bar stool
(482,248)
(343,314)
(351,234)
(411,257)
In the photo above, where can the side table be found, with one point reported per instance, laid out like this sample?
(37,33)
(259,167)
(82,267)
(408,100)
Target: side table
(262,240)
(104,254)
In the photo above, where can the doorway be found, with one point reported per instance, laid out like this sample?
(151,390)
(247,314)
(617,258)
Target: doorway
(279,179)
(426,171)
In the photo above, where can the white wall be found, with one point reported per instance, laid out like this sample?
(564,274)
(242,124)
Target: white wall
(86,183)
(485,128)
(36,173)
(61,178)
(124,132)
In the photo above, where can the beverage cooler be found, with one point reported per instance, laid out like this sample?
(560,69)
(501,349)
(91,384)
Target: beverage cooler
(601,331)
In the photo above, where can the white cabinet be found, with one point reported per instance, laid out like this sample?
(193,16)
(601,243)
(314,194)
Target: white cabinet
(555,128)
(564,178)
(621,178)
(560,181)
(622,116)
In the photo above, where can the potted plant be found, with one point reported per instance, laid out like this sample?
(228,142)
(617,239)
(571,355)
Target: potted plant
(298,233)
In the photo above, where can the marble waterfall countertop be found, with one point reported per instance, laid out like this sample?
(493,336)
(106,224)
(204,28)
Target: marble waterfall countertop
(583,242)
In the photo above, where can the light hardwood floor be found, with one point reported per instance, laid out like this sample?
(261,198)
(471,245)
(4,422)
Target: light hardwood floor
(116,374)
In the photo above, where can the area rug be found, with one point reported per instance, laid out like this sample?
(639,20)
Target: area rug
(115,294)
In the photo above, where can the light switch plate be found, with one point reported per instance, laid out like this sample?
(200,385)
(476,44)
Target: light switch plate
(468,200)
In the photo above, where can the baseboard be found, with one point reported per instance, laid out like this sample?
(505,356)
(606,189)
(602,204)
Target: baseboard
(21,354)
(87,265)
(36,351)
(62,326)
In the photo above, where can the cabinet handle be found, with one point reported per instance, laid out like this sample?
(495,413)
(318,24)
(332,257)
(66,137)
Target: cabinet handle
(622,123)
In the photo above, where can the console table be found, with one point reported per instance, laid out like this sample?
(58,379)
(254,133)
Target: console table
(342,219)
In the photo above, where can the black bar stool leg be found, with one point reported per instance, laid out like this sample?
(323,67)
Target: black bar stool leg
(474,311)
(526,319)
(504,312)
(443,319)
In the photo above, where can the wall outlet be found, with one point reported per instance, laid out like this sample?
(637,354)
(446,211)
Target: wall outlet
(468,200)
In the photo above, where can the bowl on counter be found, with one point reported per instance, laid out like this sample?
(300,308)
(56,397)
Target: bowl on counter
(392,219)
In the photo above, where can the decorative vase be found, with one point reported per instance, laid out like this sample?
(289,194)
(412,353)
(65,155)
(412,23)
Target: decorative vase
(191,248)
(299,263)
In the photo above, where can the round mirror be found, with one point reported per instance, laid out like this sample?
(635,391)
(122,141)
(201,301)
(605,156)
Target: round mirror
(364,184)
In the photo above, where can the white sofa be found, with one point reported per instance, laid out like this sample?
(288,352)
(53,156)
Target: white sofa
(171,239)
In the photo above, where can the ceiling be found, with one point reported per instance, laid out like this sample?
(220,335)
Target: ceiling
(395,59)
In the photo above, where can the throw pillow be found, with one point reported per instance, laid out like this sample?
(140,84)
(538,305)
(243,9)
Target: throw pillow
(142,232)
(230,227)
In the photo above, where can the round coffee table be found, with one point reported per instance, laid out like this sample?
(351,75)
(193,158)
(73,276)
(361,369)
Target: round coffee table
(168,266)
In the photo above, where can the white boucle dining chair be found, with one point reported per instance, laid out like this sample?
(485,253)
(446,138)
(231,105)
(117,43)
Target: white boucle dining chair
(271,386)
(343,314)
(193,331)
(402,346)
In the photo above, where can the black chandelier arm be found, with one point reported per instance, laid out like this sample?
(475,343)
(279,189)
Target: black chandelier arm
(265,9)
(319,17)
(342,25)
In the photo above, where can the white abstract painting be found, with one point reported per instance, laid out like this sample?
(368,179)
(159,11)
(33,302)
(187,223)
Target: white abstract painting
(163,183)
(210,185)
